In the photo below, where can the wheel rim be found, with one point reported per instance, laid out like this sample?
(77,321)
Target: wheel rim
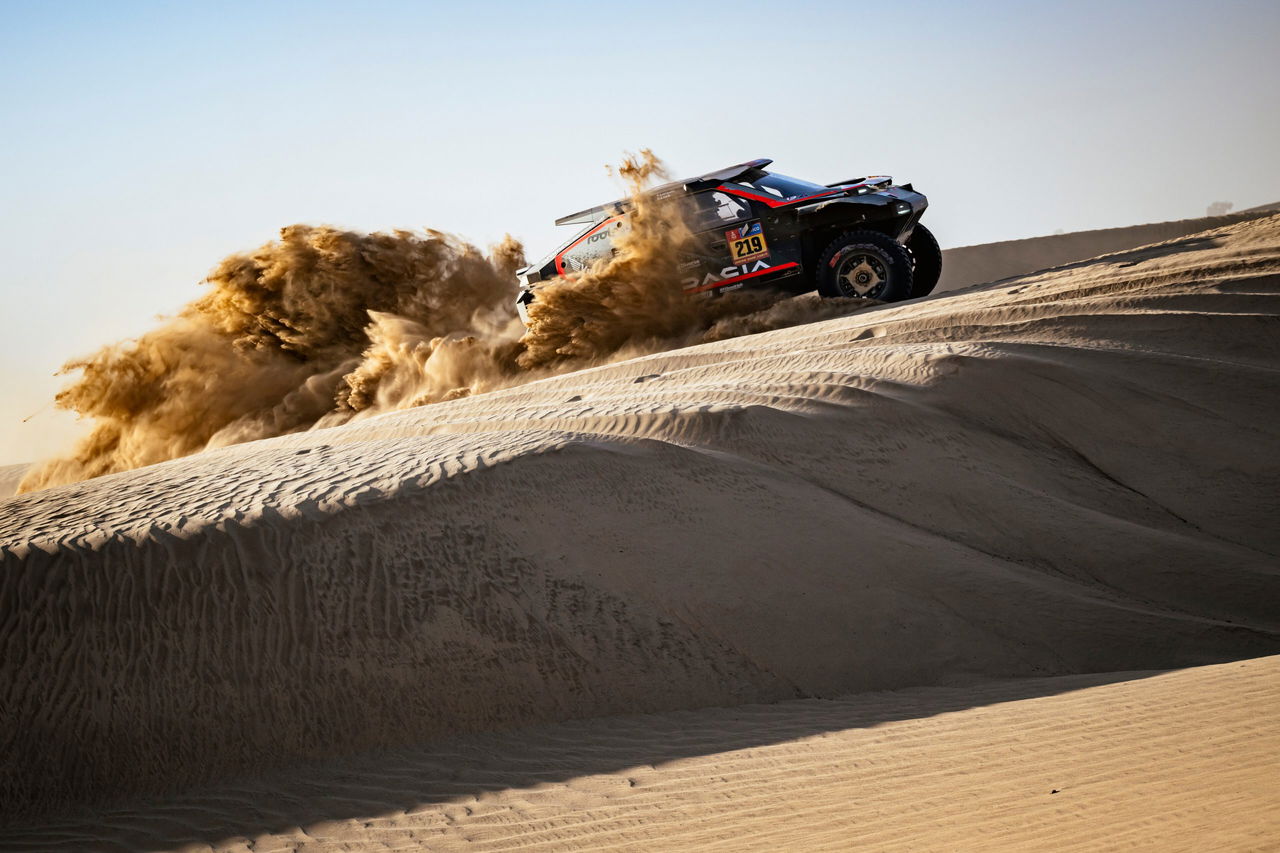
(862,274)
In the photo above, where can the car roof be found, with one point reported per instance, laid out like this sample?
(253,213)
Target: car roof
(592,215)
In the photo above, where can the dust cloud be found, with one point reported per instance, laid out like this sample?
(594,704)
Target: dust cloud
(323,326)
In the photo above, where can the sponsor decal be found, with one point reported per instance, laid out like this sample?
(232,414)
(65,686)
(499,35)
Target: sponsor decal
(596,243)
(713,279)
(746,243)
(728,208)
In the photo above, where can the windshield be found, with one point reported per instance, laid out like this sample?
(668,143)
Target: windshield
(782,187)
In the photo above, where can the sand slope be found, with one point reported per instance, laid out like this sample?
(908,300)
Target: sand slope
(1174,761)
(1073,472)
(968,265)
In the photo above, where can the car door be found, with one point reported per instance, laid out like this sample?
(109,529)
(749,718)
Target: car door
(724,228)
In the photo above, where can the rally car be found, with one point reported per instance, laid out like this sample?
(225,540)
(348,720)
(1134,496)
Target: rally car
(858,237)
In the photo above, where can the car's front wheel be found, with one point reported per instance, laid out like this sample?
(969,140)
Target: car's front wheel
(927,261)
(865,264)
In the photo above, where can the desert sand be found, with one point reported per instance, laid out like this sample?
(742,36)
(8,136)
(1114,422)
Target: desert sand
(1150,761)
(949,539)
(964,266)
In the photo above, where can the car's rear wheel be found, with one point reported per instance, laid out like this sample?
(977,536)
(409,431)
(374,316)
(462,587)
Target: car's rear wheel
(865,264)
(927,257)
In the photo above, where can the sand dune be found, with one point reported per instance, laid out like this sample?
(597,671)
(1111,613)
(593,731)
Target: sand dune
(1073,472)
(1158,761)
(964,266)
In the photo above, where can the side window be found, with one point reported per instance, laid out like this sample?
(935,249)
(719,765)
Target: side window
(714,208)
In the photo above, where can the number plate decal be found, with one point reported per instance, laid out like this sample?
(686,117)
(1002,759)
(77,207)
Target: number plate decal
(746,243)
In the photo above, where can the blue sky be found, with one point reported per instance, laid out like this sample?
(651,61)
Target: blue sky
(141,142)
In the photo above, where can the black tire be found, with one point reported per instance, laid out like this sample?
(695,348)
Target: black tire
(927,257)
(866,264)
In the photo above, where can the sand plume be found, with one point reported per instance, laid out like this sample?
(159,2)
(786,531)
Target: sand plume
(324,325)
(269,348)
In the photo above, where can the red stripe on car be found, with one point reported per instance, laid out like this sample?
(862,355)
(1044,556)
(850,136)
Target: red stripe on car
(569,248)
(773,202)
(734,279)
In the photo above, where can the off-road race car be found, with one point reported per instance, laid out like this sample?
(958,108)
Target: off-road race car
(858,237)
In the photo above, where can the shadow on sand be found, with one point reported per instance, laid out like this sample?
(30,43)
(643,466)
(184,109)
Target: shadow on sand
(391,782)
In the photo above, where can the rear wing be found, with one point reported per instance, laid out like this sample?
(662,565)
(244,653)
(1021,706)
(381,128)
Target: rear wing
(591,215)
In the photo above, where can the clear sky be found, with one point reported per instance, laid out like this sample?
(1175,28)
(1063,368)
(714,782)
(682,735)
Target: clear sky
(141,142)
